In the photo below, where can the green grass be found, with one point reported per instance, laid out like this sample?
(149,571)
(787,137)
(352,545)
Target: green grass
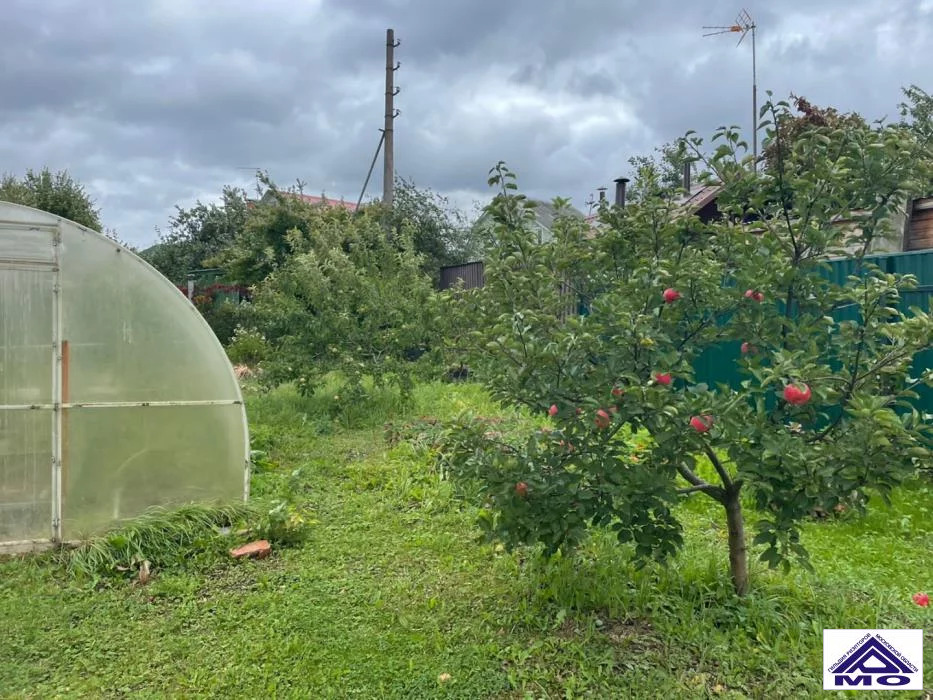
(392,589)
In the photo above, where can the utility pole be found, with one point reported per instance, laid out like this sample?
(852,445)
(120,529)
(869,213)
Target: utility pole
(388,169)
(743,25)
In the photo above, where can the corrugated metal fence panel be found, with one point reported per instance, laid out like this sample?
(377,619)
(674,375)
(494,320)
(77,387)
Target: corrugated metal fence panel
(470,273)
(719,364)
(919,264)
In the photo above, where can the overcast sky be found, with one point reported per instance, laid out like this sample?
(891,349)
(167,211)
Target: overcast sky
(153,103)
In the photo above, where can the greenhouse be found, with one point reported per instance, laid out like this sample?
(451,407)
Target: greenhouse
(115,395)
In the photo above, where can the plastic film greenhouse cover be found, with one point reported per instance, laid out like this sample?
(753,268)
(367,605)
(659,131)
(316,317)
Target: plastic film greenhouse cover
(115,395)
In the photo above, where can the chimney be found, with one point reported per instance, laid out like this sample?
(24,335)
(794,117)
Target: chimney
(602,193)
(620,191)
(687,176)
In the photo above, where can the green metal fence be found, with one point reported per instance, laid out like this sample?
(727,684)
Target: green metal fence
(718,365)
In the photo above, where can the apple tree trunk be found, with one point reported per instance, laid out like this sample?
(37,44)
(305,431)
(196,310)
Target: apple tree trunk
(738,552)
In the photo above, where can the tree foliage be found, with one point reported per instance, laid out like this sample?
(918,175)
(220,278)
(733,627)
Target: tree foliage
(344,298)
(57,193)
(822,414)
(262,243)
(917,118)
(439,232)
(197,235)
(808,117)
(663,171)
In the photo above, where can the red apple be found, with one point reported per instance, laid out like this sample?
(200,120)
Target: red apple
(521,489)
(617,391)
(701,424)
(754,294)
(796,395)
(748,349)
(663,378)
(759,297)
(602,419)
(552,411)
(671,295)
(579,410)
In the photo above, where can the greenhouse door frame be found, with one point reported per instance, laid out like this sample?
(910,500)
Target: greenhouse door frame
(51,267)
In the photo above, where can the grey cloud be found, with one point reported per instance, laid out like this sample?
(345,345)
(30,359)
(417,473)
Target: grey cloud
(157,103)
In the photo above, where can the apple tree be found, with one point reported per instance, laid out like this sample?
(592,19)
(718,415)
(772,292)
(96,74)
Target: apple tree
(345,299)
(822,412)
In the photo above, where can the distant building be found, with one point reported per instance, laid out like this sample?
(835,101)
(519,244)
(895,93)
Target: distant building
(269,197)
(471,274)
(543,224)
(918,231)
(911,227)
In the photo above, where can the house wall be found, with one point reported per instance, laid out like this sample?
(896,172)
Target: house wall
(920,233)
(471,274)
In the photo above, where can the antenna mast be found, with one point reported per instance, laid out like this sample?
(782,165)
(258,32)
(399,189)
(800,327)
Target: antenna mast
(743,25)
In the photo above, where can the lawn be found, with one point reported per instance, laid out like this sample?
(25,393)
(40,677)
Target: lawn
(393,595)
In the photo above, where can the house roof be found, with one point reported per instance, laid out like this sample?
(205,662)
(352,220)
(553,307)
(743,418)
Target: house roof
(311,199)
(698,197)
(326,201)
(545,215)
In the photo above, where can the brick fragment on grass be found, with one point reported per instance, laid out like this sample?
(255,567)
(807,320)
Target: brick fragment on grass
(258,550)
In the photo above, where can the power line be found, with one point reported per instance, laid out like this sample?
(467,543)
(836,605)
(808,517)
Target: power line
(372,165)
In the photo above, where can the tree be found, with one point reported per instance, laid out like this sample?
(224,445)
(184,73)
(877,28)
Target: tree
(917,118)
(264,242)
(199,234)
(344,298)
(822,414)
(440,233)
(666,169)
(57,193)
(794,126)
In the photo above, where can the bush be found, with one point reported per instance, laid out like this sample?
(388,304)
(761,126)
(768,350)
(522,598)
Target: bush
(247,347)
(222,317)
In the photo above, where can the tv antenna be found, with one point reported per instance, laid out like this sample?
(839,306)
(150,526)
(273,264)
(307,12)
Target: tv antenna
(744,24)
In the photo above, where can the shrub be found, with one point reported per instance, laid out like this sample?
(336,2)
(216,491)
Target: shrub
(247,347)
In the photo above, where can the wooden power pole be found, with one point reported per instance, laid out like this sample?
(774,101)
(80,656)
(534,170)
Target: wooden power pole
(388,169)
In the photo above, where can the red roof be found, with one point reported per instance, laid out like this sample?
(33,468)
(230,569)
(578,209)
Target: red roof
(310,199)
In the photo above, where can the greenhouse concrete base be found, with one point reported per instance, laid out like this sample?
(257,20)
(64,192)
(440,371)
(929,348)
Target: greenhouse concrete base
(34,546)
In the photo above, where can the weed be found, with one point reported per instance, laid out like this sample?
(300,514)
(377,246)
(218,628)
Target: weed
(160,537)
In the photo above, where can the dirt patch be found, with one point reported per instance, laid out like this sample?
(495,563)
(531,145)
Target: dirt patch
(622,631)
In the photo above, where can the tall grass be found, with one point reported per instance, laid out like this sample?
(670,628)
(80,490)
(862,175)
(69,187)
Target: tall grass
(163,537)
